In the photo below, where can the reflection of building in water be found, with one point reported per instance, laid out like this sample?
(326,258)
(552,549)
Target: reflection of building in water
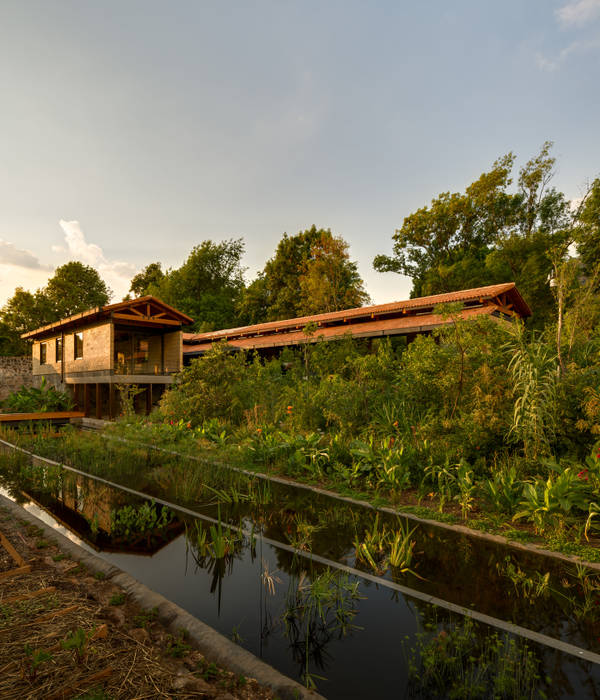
(87,508)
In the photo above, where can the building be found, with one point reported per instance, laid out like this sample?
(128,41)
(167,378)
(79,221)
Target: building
(501,302)
(133,342)
(141,341)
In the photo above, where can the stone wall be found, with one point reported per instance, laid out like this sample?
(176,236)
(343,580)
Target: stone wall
(14,372)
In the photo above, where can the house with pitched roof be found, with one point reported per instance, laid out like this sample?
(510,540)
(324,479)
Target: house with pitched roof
(142,342)
(92,353)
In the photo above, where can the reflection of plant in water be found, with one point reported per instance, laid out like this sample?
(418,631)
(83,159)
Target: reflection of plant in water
(218,542)
(381,549)
(135,522)
(461,662)
(529,587)
(317,611)
(300,532)
(269,578)
(586,601)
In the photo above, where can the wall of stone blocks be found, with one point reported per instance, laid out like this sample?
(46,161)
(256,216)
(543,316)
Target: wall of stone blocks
(14,373)
(97,353)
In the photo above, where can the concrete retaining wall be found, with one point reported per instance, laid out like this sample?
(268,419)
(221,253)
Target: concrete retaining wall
(14,372)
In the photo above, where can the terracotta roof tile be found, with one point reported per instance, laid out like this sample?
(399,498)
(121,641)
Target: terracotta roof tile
(463,295)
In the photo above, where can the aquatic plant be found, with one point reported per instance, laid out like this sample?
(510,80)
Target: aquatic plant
(461,660)
(318,609)
(528,587)
(380,548)
(133,522)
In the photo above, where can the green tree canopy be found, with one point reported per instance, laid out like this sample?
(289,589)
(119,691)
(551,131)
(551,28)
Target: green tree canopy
(208,285)
(150,276)
(487,234)
(310,272)
(587,228)
(74,287)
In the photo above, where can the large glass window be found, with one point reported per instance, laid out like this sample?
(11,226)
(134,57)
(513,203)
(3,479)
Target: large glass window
(78,345)
(137,352)
(59,349)
(43,353)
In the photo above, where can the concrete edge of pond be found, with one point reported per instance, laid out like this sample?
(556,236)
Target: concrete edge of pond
(453,527)
(212,644)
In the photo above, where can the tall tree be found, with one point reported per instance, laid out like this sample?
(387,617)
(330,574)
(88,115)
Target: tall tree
(487,235)
(150,276)
(208,285)
(75,287)
(329,280)
(587,228)
(310,272)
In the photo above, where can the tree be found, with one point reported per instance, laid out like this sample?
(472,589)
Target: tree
(453,227)
(329,281)
(587,228)
(310,272)
(150,276)
(75,287)
(208,285)
(487,235)
(23,312)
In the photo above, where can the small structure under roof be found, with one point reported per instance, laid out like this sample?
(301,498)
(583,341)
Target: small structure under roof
(408,318)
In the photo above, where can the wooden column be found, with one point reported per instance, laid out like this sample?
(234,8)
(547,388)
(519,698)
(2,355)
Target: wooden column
(98,400)
(86,399)
(111,401)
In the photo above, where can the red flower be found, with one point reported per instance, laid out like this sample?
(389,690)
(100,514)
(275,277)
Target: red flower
(583,474)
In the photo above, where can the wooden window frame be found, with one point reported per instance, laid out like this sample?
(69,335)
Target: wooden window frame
(76,337)
(43,353)
(58,349)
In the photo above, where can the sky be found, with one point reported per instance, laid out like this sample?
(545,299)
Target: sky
(130,131)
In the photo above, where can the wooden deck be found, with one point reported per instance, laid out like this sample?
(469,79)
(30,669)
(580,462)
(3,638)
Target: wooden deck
(54,416)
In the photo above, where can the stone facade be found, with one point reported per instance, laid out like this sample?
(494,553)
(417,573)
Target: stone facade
(14,373)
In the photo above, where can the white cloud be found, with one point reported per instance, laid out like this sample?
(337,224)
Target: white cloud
(551,64)
(578,13)
(116,273)
(11,255)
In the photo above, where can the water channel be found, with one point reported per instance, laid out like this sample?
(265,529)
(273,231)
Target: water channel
(257,593)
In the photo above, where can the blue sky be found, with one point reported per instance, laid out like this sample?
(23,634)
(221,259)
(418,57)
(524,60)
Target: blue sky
(130,131)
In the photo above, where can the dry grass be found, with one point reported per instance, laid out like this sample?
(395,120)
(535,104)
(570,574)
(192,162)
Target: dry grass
(116,650)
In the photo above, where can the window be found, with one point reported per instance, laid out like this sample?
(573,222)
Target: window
(43,353)
(78,345)
(59,349)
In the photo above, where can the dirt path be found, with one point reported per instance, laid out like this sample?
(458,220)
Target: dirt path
(67,634)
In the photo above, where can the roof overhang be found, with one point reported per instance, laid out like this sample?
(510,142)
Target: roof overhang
(503,298)
(146,311)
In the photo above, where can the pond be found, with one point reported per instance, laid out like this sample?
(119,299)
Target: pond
(280,571)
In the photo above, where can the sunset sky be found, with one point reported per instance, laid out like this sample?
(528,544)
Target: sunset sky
(133,130)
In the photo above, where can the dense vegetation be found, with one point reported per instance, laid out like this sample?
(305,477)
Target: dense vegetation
(479,414)
(38,399)
(74,287)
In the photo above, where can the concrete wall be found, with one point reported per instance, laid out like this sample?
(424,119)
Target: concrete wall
(14,372)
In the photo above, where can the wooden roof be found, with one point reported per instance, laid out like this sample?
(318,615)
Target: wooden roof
(145,311)
(402,316)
